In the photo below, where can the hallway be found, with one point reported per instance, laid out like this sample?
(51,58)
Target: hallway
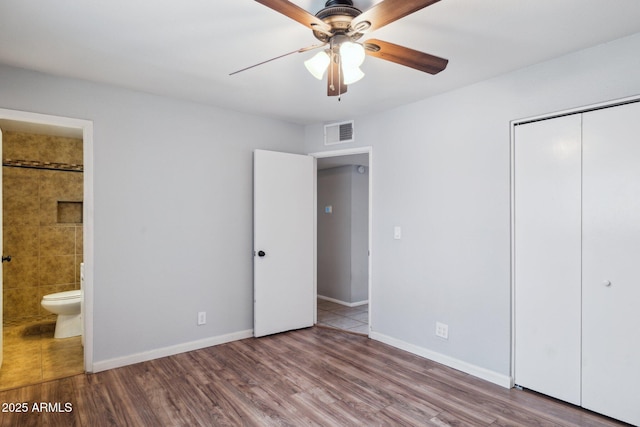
(352,319)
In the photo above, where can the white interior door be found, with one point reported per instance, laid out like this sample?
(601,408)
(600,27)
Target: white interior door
(611,272)
(547,257)
(284,253)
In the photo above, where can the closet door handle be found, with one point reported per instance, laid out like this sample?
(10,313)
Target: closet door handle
(6,258)
(606,283)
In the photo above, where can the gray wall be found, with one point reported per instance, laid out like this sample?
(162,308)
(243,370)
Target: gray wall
(441,170)
(334,233)
(173,208)
(359,235)
(343,234)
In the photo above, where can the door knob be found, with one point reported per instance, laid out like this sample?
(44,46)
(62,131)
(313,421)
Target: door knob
(606,283)
(261,254)
(6,258)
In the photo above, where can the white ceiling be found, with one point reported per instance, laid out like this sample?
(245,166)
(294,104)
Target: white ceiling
(187,48)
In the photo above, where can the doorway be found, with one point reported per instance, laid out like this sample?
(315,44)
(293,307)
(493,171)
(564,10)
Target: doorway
(48,229)
(343,224)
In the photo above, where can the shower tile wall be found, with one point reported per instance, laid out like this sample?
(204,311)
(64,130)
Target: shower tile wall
(46,253)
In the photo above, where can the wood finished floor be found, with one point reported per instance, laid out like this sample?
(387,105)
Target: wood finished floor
(32,355)
(315,376)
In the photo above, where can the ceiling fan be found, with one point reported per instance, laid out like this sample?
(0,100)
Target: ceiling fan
(339,26)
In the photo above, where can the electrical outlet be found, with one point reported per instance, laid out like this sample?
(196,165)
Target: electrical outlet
(202,318)
(442,330)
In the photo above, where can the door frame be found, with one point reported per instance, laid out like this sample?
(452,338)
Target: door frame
(338,153)
(86,127)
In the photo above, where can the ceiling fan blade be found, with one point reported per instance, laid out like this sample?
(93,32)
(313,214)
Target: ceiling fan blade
(335,79)
(304,49)
(405,56)
(297,14)
(386,12)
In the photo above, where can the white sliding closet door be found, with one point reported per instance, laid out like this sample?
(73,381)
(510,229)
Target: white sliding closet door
(547,257)
(611,262)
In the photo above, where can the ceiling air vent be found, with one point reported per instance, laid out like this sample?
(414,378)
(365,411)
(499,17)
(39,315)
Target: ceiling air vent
(338,133)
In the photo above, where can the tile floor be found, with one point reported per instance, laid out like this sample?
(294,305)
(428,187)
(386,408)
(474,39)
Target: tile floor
(31,355)
(352,319)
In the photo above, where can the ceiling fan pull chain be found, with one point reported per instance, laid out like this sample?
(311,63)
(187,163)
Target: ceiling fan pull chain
(339,77)
(331,70)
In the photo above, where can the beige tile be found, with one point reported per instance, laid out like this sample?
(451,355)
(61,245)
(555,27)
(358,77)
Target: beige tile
(58,186)
(20,272)
(30,198)
(46,148)
(57,240)
(20,302)
(20,240)
(361,329)
(353,319)
(61,150)
(343,323)
(19,333)
(21,211)
(20,196)
(328,317)
(362,316)
(21,370)
(20,146)
(56,270)
(22,180)
(61,185)
(32,355)
(61,357)
(79,240)
(48,212)
(345,311)
(328,305)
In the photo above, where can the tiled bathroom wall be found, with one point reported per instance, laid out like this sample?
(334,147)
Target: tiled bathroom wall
(42,220)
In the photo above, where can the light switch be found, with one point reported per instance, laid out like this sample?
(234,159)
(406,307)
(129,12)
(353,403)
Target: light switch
(397,232)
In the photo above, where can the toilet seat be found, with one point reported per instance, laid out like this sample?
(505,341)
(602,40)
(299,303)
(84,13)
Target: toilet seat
(61,296)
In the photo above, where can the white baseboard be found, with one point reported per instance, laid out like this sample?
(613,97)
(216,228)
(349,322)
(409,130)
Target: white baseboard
(169,351)
(476,371)
(485,374)
(347,304)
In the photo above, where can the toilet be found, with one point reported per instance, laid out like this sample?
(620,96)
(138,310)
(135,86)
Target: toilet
(67,306)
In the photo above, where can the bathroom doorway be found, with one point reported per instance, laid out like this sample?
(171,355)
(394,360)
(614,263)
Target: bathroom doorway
(43,195)
(343,240)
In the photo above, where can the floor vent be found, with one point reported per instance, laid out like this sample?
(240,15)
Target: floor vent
(338,133)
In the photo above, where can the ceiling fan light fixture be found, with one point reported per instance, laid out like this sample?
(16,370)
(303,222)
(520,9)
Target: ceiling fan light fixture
(351,74)
(339,25)
(318,64)
(352,54)
(351,57)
